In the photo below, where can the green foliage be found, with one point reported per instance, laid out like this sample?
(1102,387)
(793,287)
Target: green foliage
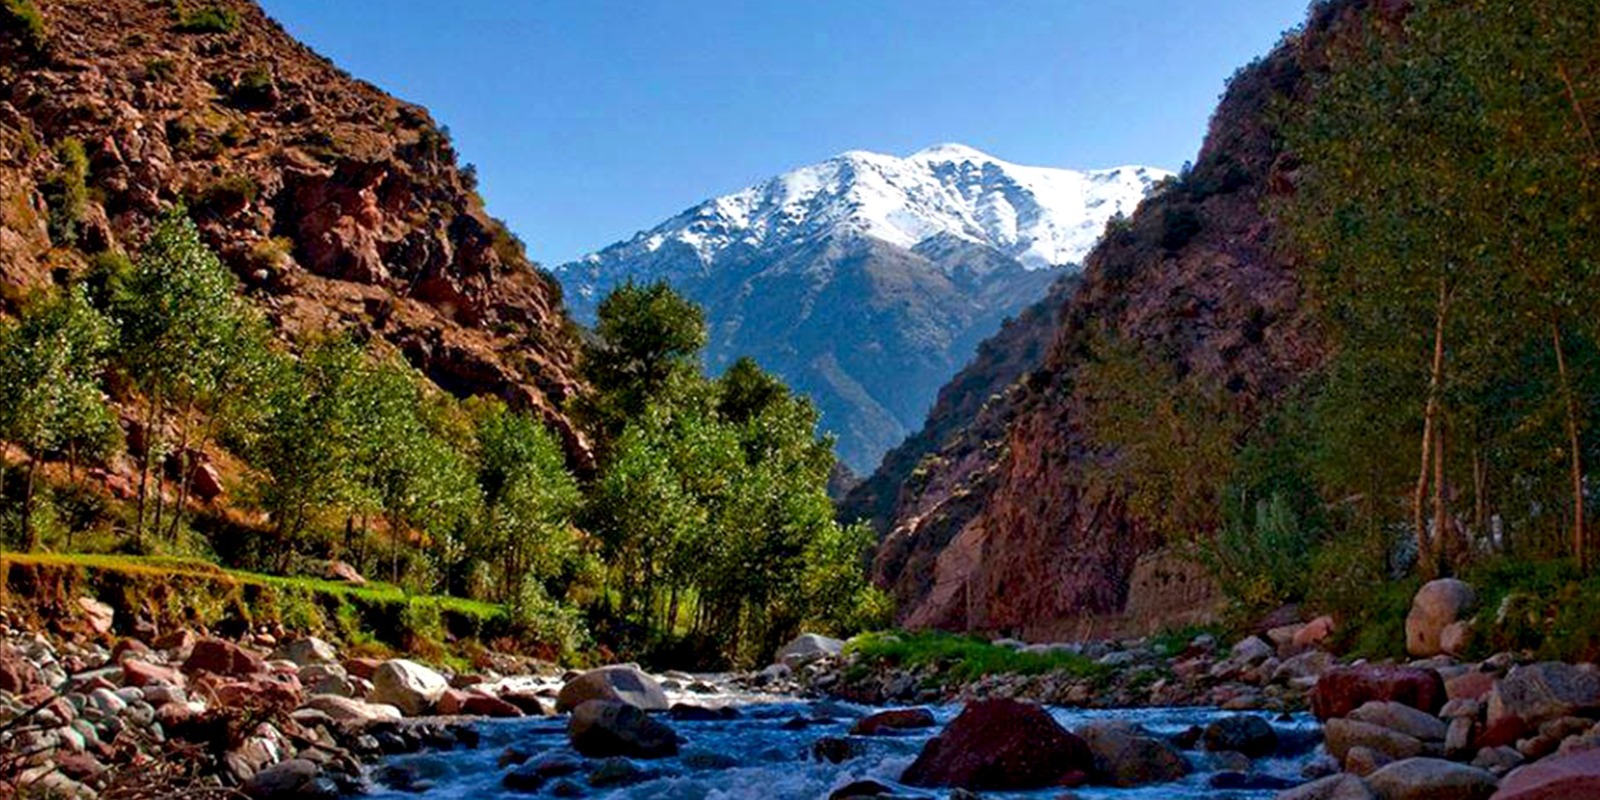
(210,18)
(67,192)
(227,196)
(50,363)
(643,336)
(1264,562)
(1163,442)
(22,19)
(965,658)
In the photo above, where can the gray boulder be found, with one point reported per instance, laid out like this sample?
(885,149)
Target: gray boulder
(1344,734)
(295,779)
(408,686)
(1403,718)
(618,683)
(605,728)
(1537,693)
(1431,779)
(1125,755)
(808,647)
(1333,787)
(307,651)
(1436,606)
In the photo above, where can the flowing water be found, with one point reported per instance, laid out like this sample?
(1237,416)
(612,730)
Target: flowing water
(758,756)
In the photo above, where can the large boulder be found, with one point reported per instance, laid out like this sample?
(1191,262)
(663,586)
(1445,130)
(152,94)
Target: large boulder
(808,647)
(1437,605)
(1431,779)
(605,728)
(1343,735)
(1565,777)
(618,683)
(1242,733)
(222,658)
(1536,693)
(1345,689)
(408,686)
(1001,745)
(1125,755)
(1333,787)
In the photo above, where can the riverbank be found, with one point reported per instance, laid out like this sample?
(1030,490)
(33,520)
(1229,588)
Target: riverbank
(89,711)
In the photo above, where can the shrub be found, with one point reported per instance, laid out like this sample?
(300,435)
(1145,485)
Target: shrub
(160,69)
(254,89)
(210,19)
(1179,226)
(22,19)
(227,196)
(964,658)
(67,192)
(1262,563)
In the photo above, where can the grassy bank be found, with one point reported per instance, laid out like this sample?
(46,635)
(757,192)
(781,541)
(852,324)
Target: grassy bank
(964,658)
(170,592)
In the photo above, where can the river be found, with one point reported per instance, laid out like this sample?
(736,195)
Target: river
(763,755)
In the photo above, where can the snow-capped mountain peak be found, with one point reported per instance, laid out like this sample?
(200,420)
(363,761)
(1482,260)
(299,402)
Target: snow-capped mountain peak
(1043,217)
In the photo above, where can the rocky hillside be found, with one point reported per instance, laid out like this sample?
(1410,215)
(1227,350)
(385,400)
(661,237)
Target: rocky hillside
(866,280)
(338,206)
(999,530)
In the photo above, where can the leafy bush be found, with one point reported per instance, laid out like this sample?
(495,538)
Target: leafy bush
(227,196)
(210,19)
(254,89)
(1263,562)
(67,192)
(23,19)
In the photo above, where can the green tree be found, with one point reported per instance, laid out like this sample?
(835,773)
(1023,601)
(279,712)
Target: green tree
(195,348)
(50,365)
(529,500)
(643,335)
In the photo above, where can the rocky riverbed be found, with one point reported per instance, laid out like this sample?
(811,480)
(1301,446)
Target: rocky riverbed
(1270,715)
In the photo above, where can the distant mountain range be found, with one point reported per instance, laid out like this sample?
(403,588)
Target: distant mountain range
(867,280)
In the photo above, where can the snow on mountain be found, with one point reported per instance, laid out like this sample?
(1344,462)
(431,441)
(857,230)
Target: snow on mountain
(867,280)
(1042,217)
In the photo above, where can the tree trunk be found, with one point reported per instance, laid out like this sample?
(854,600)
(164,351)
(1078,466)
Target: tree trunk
(31,535)
(189,467)
(144,468)
(1446,551)
(1430,413)
(1580,543)
(1480,493)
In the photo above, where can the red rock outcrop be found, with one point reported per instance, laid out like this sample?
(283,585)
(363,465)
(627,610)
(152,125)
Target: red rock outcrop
(337,205)
(996,529)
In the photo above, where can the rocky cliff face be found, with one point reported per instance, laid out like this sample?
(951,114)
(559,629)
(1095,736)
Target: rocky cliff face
(996,530)
(337,205)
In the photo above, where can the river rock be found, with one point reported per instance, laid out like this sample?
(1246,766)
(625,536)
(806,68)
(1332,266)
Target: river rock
(1344,689)
(348,711)
(1436,606)
(142,673)
(222,658)
(862,790)
(602,728)
(97,615)
(617,683)
(892,720)
(1536,693)
(1431,779)
(1001,745)
(1333,787)
(1403,718)
(295,779)
(307,651)
(808,647)
(1125,755)
(408,686)
(1343,734)
(1565,777)
(1304,669)
(1242,733)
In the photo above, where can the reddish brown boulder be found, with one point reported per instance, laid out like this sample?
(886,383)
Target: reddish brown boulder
(1503,732)
(1342,690)
(894,719)
(451,702)
(222,658)
(478,704)
(276,690)
(205,482)
(1469,686)
(1560,778)
(1001,745)
(362,667)
(17,674)
(179,642)
(143,673)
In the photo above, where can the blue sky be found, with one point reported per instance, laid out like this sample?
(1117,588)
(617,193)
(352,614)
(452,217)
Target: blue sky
(592,119)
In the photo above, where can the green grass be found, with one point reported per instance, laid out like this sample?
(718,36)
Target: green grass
(377,618)
(965,658)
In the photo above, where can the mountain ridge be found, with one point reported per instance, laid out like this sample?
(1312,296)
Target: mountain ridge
(936,248)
